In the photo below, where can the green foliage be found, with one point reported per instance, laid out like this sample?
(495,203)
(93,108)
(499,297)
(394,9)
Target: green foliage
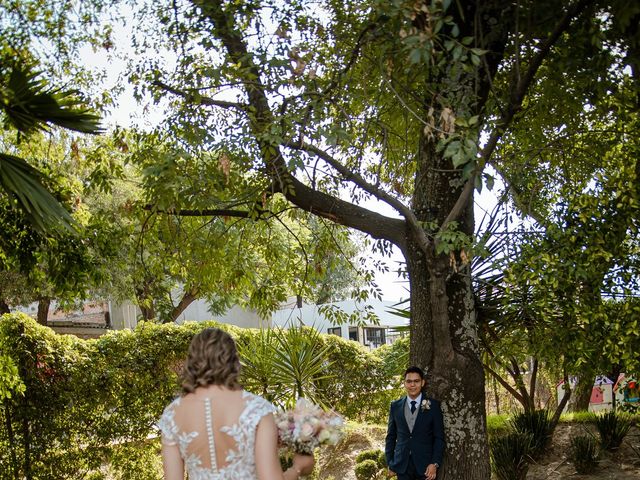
(136,461)
(612,427)
(537,423)
(510,455)
(395,357)
(577,417)
(366,470)
(367,455)
(102,397)
(583,453)
(377,456)
(497,424)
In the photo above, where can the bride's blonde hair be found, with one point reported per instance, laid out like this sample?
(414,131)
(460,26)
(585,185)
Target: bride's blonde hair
(212,360)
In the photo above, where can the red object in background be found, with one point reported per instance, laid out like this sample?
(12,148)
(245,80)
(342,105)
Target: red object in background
(597,395)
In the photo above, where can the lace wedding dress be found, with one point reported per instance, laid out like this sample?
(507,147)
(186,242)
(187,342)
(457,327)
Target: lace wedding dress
(211,451)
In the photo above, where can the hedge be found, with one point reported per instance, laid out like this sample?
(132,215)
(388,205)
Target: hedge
(75,408)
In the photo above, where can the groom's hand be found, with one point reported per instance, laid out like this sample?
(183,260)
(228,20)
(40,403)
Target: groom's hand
(431,472)
(390,473)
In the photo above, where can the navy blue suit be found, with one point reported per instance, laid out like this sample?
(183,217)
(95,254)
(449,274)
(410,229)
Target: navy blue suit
(424,445)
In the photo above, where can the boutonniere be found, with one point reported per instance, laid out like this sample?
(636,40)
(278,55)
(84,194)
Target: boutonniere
(425,404)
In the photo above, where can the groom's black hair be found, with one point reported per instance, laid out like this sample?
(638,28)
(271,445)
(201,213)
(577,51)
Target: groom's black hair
(414,369)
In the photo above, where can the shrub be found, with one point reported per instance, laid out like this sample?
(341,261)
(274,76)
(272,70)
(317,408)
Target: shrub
(376,455)
(583,453)
(70,407)
(612,428)
(538,424)
(367,455)
(510,455)
(366,470)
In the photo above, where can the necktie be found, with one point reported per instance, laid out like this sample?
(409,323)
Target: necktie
(413,406)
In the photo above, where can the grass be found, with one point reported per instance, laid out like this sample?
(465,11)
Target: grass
(497,424)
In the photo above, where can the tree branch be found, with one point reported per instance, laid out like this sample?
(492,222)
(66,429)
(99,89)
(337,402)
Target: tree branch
(519,90)
(261,118)
(205,212)
(198,99)
(504,383)
(358,180)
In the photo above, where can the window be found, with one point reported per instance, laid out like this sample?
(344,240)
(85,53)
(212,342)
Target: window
(335,331)
(353,334)
(375,337)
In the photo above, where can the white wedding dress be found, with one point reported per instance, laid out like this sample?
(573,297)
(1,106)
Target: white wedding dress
(190,423)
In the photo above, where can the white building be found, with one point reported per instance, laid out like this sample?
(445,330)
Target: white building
(359,328)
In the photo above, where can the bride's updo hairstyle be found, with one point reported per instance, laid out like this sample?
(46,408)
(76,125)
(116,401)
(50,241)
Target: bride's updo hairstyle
(212,360)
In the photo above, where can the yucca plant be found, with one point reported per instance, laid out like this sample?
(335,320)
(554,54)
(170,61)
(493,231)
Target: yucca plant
(612,427)
(300,362)
(510,455)
(538,424)
(583,453)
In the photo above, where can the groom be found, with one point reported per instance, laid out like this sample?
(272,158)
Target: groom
(415,435)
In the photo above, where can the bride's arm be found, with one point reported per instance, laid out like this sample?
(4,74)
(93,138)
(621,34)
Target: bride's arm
(172,462)
(266,451)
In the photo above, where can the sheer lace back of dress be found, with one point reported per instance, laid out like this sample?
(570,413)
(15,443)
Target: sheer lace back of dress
(216,437)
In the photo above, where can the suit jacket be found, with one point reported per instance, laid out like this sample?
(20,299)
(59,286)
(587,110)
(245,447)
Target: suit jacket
(425,444)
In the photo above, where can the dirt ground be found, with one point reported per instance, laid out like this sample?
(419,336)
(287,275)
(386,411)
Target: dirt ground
(624,464)
(337,463)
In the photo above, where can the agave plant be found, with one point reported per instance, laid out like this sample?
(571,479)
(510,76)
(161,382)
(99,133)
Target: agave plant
(285,364)
(612,428)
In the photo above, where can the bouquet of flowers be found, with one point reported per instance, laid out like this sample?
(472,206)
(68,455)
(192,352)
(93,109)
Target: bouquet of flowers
(307,426)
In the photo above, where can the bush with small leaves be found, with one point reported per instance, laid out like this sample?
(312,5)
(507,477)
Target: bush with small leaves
(538,424)
(376,455)
(583,453)
(510,455)
(366,470)
(367,455)
(612,427)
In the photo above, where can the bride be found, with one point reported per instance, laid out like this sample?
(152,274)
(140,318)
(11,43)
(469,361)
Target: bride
(216,430)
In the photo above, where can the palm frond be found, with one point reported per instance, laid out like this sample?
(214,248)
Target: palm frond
(31,104)
(22,182)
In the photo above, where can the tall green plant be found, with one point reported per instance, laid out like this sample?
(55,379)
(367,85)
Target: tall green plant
(612,427)
(300,362)
(538,424)
(510,455)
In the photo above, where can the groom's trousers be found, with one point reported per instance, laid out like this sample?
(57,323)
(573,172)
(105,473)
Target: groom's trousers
(411,473)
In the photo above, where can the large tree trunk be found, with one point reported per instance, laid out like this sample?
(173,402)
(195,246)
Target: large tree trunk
(443,325)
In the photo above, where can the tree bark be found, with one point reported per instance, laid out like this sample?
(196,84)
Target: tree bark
(43,310)
(145,302)
(187,299)
(4,307)
(582,394)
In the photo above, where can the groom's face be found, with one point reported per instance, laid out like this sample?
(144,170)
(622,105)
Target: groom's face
(413,384)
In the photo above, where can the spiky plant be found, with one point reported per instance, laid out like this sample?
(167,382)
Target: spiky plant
(538,424)
(583,453)
(510,455)
(612,427)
